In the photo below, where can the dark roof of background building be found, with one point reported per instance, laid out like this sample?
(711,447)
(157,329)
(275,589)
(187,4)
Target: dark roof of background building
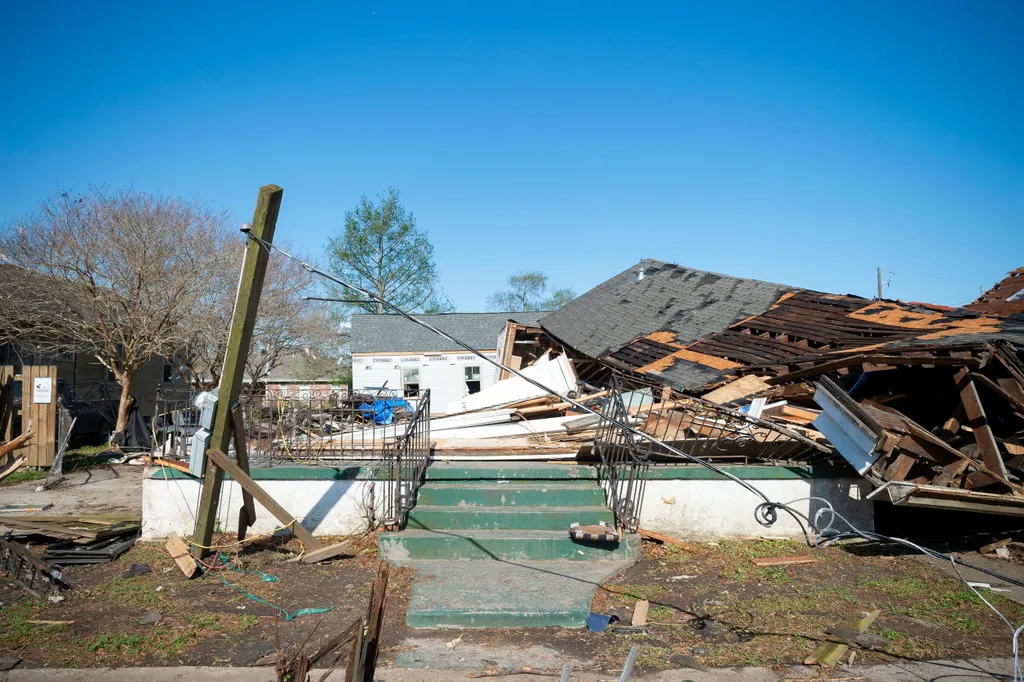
(395,334)
(691,304)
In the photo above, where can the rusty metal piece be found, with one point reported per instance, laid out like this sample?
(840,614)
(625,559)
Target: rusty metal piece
(31,573)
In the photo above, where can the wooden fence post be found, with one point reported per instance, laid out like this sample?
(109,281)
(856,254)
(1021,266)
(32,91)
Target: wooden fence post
(40,417)
(6,403)
(247,301)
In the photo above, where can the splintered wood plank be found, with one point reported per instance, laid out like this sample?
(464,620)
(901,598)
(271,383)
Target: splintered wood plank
(640,613)
(900,467)
(983,435)
(328,552)
(664,539)
(179,552)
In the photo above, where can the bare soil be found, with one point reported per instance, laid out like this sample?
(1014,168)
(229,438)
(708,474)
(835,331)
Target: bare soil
(204,621)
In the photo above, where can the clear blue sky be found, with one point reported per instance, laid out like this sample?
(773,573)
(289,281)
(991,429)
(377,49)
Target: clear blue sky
(803,143)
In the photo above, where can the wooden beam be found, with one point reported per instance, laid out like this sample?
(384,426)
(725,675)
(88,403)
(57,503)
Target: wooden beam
(243,479)
(979,422)
(1000,389)
(243,320)
(247,514)
(7,402)
(895,360)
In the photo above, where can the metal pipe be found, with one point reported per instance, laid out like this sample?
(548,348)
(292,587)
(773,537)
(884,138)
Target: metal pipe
(627,669)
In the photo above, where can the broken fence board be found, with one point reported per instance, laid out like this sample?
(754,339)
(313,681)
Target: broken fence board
(179,552)
(11,467)
(664,539)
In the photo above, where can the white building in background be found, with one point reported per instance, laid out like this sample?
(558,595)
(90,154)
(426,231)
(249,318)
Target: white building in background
(389,351)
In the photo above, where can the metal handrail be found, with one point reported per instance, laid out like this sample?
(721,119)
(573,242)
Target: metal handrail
(408,458)
(623,468)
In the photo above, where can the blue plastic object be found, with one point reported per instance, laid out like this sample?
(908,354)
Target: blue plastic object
(382,411)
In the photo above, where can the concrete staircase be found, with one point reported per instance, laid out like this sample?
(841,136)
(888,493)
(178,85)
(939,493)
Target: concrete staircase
(490,543)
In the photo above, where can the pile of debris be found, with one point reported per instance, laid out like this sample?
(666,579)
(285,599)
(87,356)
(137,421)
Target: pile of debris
(65,541)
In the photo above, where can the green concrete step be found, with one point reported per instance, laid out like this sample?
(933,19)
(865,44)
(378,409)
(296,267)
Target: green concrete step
(506,518)
(518,494)
(514,545)
(440,471)
(495,594)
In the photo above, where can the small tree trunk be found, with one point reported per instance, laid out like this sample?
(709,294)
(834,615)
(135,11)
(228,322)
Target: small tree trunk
(124,407)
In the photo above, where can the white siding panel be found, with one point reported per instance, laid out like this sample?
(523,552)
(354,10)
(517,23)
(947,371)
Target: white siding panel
(444,374)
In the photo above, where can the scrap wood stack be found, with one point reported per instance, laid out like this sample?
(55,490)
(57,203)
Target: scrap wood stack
(945,433)
(70,540)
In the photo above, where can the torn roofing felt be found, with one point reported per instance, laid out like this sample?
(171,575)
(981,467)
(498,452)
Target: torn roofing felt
(689,304)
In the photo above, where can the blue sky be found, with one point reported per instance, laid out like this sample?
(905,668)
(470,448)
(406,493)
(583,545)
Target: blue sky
(802,143)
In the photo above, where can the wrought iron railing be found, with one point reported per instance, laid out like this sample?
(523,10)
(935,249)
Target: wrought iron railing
(623,467)
(316,429)
(407,459)
(696,427)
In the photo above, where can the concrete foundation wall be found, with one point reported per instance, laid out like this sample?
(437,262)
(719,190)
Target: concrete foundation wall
(325,507)
(680,502)
(721,508)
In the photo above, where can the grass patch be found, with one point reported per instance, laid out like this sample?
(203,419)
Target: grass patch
(901,587)
(773,574)
(14,626)
(85,457)
(24,475)
(637,592)
(131,592)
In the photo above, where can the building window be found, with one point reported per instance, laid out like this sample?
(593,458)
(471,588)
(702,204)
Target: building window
(168,375)
(411,382)
(472,379)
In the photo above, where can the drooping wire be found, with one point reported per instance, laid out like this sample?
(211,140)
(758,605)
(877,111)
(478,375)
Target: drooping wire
(769,514)
(765,513)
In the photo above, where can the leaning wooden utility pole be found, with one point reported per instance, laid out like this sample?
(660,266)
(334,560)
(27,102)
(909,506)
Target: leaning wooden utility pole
(247,301)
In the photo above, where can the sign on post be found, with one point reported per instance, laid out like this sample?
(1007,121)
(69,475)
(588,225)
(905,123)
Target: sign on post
(42,390)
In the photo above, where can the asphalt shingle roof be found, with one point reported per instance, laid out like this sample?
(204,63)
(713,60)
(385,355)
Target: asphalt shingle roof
(395,334)
(692,304)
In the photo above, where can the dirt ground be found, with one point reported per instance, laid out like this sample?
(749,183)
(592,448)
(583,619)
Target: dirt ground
(202,621)
(709,606)
(712,607)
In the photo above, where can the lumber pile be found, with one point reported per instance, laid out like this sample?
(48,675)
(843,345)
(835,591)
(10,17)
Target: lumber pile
(72,539)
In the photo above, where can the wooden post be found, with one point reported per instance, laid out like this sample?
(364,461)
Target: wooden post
(39,417)
(978,422)
(6,403)
(247,301)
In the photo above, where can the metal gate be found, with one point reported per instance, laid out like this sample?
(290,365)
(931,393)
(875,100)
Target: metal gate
(623,468)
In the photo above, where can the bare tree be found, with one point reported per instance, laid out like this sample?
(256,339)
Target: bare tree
(285,323)
(114,274)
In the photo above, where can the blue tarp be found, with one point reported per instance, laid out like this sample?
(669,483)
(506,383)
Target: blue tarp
(382,411)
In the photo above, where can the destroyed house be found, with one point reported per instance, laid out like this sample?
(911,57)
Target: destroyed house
(926,402)
(643,317)
(393,353)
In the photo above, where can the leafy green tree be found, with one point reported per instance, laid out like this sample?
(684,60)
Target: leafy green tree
(382,251)
(528,291)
